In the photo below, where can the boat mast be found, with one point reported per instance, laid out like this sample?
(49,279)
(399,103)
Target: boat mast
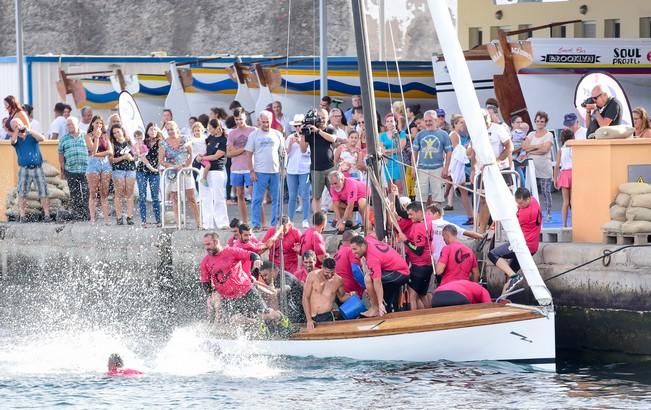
(323,47)
(368,102)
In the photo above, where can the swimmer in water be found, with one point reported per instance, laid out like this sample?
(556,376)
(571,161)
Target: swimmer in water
(116,367)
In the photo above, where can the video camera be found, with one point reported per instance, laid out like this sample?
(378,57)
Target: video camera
(587,101)
(311,118)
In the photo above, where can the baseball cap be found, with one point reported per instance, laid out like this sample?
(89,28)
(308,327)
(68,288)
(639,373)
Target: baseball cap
(569,119)
(440,112)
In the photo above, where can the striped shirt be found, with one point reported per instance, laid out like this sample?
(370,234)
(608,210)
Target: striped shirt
(75,153)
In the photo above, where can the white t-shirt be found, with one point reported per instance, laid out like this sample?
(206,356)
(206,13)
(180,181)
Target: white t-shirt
(437,236)
(58,126)
(36,126)
(580,134)
(542,162)
(298,163)
(83,127)
(566,158)
(198,146)
(265,146)
(498,134)
(340,134)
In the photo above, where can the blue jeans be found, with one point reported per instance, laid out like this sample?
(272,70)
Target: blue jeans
(298,184)
(143,178)
(265,180)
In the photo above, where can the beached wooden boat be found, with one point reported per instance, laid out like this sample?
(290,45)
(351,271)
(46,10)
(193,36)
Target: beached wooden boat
(514,333)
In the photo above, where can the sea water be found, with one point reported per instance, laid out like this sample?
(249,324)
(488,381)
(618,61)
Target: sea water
(57,332)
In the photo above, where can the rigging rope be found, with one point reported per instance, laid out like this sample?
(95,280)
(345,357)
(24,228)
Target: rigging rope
(289,31)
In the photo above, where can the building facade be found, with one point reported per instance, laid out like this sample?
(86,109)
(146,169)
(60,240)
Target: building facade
(480,20)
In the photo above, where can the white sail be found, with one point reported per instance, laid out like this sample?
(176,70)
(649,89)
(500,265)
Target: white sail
(498,197)
(176,100)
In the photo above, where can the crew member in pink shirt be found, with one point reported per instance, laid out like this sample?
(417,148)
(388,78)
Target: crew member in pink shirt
(116,367)
(417,242)
(385,271)
(344,259)
(313,240)
(234,226)
(460,292)
(348,195)
(221,271)
(290,247)
(249,242)
(309,264)
(530,219)
(457,261)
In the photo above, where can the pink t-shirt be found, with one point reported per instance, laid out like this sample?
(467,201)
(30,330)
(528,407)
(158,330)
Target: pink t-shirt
(237,138)
(225,272)
(301,274)
(530,219)
(290,239)
(473,291)
(459,261)
(345,258)
(253,245)
(418,236)
(313,240)
(381,257)
(352,190)
(123,372)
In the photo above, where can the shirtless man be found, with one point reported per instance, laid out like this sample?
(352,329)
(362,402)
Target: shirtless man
(321,289)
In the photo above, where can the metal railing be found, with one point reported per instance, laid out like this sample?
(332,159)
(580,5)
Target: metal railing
(515,178)
(181,215)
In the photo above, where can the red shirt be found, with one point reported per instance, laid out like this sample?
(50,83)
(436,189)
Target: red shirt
(530,219)
(381,257)
(123,372)
(313,240)
(225,272)
(253,245)
(459,261)
(301,274)
(291,238)
(352,190)
(231,241)
(473,291)
(345,258)
(418,236)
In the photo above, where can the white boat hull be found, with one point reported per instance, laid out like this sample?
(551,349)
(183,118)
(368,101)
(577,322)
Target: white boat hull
(530,342)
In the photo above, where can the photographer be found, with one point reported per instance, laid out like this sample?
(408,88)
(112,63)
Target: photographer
(30,163)
(320,138)
(602,109)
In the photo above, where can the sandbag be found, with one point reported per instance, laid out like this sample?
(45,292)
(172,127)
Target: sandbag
(642,201)
(49,170)
(638,214)
(636,227)
(618,213)
(53,180)
(635,188)
(623,199)
(33,204)
(614,132)
(53,192)
(612,226)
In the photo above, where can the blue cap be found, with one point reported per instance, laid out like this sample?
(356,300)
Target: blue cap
(569,119)
(440,112)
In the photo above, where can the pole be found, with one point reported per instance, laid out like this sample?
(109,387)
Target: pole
(381,23)
(19,50)
(368,102)
(323,47)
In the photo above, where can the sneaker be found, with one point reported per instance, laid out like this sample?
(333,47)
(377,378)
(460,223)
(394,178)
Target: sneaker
(120,221)
(548,218)
(469,221)
(47,218)
(22,219)
(448,208)
(306,224)
(204,182)
(129,220)
(512,282)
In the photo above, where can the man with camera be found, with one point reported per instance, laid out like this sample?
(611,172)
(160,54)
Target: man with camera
(602,109)
(30,167)
(320,138)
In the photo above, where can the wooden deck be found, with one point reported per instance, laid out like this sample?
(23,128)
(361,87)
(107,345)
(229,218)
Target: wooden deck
(452,317)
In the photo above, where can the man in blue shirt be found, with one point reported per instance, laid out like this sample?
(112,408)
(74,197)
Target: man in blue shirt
(433,150)
(30,167)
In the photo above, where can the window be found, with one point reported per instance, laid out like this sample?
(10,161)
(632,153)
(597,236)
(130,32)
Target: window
(495,29)
(585,29)
(526,34)
(645,27)
(559,32)
(475,37)
(611,28)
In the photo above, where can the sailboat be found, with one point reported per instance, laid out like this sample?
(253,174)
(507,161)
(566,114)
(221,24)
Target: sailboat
(481,332)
